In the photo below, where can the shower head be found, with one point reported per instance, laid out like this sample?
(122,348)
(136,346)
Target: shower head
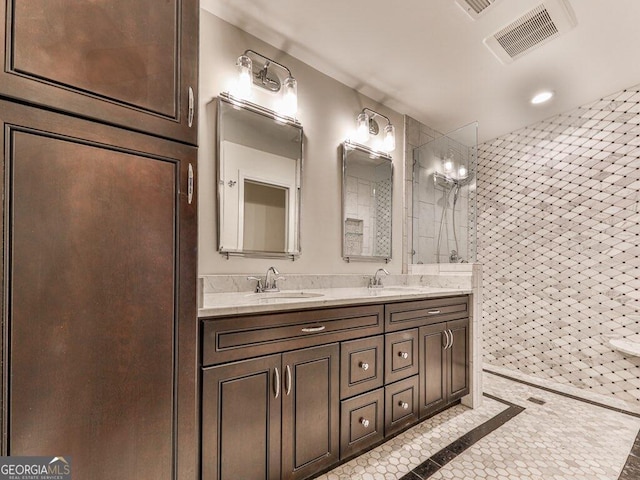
(447,181)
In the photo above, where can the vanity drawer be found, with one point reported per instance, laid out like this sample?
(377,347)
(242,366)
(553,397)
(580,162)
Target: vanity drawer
(402,315)
(401,355)
(401,405)
(361,366)
(362,422)
(237,338)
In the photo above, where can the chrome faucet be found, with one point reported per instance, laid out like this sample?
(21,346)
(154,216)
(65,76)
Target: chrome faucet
(270,282)
(376,281)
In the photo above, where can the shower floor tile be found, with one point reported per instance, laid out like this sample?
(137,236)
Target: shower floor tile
(520,432)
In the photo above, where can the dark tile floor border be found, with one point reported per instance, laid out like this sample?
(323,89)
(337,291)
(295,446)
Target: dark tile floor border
(568,395)
(631,469)
(451,451)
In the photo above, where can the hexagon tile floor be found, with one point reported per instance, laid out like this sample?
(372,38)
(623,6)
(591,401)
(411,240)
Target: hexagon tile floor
(520,432)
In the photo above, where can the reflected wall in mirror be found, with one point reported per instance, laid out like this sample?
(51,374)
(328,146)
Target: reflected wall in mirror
(259,172)
(367,191)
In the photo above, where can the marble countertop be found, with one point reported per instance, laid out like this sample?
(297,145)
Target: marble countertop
(224,304)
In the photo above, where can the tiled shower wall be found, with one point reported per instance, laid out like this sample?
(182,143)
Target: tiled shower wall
(559,240)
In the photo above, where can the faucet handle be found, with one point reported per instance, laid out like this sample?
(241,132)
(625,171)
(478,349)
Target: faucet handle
(259,286)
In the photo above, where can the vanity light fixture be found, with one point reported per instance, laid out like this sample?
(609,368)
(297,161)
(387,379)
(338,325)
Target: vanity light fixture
(256,69)
(542,97)
(366,126)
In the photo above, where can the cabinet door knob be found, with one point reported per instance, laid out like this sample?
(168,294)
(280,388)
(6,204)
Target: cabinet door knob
(404,405)
(364,422)
(364,366)
(404,355)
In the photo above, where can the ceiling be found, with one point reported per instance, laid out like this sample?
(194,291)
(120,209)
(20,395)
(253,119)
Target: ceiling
(426,58)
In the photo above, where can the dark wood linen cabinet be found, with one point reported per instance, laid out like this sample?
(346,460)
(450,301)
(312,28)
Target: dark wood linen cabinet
(100,335)
(131,63)
(99,314)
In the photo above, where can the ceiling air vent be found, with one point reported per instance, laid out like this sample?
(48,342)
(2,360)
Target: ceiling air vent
(535,28)
(475,7)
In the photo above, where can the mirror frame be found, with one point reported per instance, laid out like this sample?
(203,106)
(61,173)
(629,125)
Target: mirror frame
(350,146)
(226,98)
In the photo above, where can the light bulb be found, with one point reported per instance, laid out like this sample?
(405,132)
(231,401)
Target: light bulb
(290,100)
(389,142)
(245,77)
(462,172)
(362,129)
(448,166)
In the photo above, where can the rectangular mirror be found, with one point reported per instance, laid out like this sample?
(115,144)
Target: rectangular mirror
(367,191)
(259,172)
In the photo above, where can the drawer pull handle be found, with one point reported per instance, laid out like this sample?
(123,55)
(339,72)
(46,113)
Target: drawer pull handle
(433,312)
(404,355)
(364,366)
(404,405)
(364,422)
(313,329)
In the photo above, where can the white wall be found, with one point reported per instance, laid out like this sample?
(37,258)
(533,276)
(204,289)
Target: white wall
(327,111)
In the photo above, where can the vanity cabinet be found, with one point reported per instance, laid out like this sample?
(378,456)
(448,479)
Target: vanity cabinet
(361,422)
(272,417)
(241,417)
(402,406)
(289,394)
(444,368)
(361,365)
(122,62)
(310,411)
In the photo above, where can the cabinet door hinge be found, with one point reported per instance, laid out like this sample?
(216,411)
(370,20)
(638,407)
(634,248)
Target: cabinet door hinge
(191,106)
(190,185)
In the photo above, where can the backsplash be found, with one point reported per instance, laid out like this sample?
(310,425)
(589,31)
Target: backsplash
(558,228)
(427,277)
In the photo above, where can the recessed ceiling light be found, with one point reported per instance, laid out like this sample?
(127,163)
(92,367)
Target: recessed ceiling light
(541,97)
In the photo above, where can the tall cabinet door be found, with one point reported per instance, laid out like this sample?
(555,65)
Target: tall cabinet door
(99,339)
(433,368)
(241,409)
(458,379)
(131,63)
(310,411)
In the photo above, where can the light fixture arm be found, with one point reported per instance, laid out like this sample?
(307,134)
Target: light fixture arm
(373,114)
(268,61)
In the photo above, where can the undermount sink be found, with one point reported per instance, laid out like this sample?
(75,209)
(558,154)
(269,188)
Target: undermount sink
(284,295)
